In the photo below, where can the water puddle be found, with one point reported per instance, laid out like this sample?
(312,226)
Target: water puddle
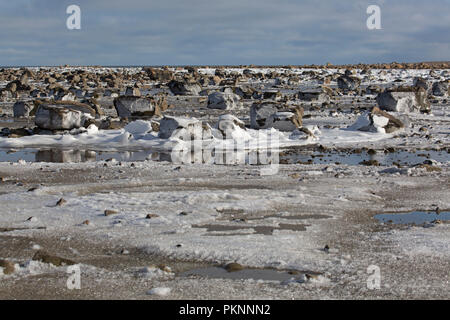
(356,157)
(264,230)
(415,217)
(62,156)
(291,156)
(245,274)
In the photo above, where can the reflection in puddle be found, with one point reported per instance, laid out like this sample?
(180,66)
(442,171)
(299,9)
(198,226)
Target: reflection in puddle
(255,274)
(177,157)
(407,158)
(56,155)
(399,157)
(415,217)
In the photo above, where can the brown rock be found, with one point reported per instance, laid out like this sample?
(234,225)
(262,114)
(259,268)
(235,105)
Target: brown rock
(61,202)
(110,212)
(8,266)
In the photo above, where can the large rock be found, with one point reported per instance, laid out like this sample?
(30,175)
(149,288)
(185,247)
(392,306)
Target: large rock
(284,121)
(58,117)
(419,82)
(348,83)
(377,120)
(272,95)
(84,108)
(186,129)
(440,89)
(224,101)
(229,126)
(245,92)
(404,100)
(67,97)
(17,85)
(133,91)
(260,113)
(130,106)
(314,95)
(22,109)
(179,88)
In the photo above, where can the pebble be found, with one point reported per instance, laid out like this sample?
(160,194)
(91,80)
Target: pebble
(159,292)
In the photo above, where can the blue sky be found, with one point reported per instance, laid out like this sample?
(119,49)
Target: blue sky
(207,32)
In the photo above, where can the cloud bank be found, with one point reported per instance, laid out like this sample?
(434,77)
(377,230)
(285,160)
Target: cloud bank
(212,32)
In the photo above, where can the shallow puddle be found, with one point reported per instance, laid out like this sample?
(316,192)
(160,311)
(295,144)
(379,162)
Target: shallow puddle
(246,274)
(399,157)
(415,217)
(407,158)
(264,230)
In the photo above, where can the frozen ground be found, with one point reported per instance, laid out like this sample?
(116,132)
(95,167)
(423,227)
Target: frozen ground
(171,218)
(338,212)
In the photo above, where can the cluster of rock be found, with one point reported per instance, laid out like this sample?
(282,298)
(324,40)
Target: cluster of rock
(68,98)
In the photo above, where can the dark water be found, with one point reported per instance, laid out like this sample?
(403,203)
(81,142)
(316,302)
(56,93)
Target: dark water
(415,217)
(406,158)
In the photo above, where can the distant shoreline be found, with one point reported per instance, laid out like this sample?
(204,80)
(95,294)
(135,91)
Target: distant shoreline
(392,65)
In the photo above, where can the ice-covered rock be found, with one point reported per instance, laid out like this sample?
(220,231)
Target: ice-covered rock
(260,112)
(130,106)
(69,96)
(440,89)
(245,92)
(22,109)
(224,101)
(377,120)
(272,95)
(283,121)
(263,115)
(179,88)
(314,95)
(404,100)
(230,127)
(186,129)
(304,133)
(348,83)
(132,91)
(58,117)
(75,105)
(139,127)
(420,82)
